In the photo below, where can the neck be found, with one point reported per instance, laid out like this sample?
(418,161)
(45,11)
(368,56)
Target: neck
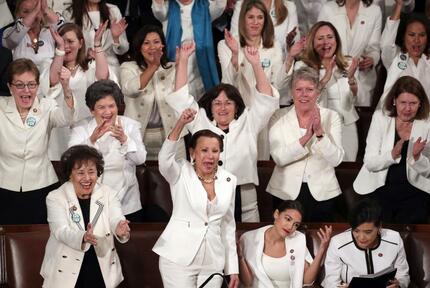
(352,3)
(22,110)
(93,6)
(273,236)
(253,41)
(326,62)
(401,122)
(205,177)
(303,114)
(35,30)
(415,59)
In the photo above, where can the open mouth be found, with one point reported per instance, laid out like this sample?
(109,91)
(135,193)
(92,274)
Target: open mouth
(26,99)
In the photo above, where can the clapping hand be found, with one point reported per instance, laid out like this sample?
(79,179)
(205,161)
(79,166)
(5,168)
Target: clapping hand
(353,68)
(231,42)
(316,123)
(59,41)
(117,28)
(297,48)
(252,55)
(34,15)
(100,130)
(99,33)
(289,40)
(393,283)
(328,71)
(118,132)
(65,75)
(325,236)
(89,236)
(365,63)
(418,148)
(397,149)
(122,229)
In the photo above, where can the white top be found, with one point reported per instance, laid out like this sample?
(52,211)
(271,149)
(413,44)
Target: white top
(120,160)
(345,260)
(281,30)
(110,48)
(277,269)
(216,8)
(240,143)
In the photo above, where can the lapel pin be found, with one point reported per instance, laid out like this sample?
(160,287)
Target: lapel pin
(403,57)
(228,179)
(76,218)
(74,208)
(380,254)
(362,22)
(35,110)
(292,251)
(292,258)
(31,121)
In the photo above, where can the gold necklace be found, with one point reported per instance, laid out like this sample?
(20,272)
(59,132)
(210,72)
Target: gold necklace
(72,69)
(207,180)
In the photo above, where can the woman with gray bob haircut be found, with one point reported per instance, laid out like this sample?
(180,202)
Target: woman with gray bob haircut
(305,143)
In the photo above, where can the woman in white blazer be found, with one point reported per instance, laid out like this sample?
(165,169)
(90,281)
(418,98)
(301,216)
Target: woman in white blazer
(284,17)
(276,255)
(27,175)
(305,143)
(70,59)
(222,110)
(83,217)
(365,248)
(405,51)
(119,140)
(199,239)
(358,23)
(396,167)
(91,15)
(146,82)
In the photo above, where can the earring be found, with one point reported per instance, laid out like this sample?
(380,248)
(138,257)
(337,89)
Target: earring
(394,103)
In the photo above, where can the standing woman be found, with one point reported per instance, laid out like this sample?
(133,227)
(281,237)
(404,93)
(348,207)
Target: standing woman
(90,15)
(119,140)
(276,255)
(70,59)
(305,143)
(27,175)
(338,85)
(284,17)
(358,23)
(191,20)
(405,52)
(222,110)
(146,82)
(29,37)
(396,167)
(200,238)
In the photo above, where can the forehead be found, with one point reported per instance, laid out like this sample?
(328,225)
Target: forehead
(25,77)
(151,36)
(416,27)
(303,83)
(405,96)
(293,213)
(222,96)
(366,226)
(106,100)
(324,30)
(254,11)
(84,164)
(205,141)
(70,35)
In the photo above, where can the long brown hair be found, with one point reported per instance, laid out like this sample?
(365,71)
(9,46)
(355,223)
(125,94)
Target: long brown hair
(311,57)
(79,11)
(281,11)
(81,58)
(268,33)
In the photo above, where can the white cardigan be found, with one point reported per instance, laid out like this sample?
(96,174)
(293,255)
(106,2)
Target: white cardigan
(377,158)
(297,252)
(190,224)
(63,253)
(317,158)
(24,162)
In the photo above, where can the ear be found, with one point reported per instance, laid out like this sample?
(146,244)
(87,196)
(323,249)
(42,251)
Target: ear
(276,214)
(191,151)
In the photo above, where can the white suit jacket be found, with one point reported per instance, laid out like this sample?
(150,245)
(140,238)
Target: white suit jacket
(63,253)
(253,247)
(190,224)
(24,159)
(317,158)
(120,160)
(377,157)
(362,39)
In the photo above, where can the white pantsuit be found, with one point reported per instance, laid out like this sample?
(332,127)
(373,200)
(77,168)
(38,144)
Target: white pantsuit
(191,228)
(362,38)
(64,251)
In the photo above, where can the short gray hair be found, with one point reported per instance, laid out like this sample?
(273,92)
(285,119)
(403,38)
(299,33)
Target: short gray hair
(305,73)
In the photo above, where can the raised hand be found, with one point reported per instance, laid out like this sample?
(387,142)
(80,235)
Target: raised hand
(316,123)
(418,148)
(118,27)
(325,236)
(65,75)
(365,63)
(100,130)
(187,48)
(231,42)
(99,33)
(352,68)
(289,40)
(89,236)
(328,71)
(59,41)
(252,55)
(187,116)
(397,149)
(34,15)
(122,229)
(118,132)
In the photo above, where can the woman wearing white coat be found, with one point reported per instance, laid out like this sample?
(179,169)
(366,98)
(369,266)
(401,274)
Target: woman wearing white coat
(83,217)
(276,255)
(284,17)
(200,238)
(358,23)
(411,57)
(119,140)
(396,167)
(146,82)
(222,110)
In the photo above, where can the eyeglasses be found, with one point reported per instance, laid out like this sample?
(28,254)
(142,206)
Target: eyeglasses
(21,86)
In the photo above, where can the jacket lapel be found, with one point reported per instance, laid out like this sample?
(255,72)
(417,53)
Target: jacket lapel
(75,211)
(259,254)
(196,193)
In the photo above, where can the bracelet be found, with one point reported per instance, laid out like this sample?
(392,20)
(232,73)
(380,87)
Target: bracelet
(97,45)
(352,81)
(99,51)
(59,52)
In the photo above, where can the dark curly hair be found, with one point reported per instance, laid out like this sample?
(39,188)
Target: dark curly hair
(76,156)
(206,133)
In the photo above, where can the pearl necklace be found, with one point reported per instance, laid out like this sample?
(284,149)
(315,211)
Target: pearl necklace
(72,69)
(207,180)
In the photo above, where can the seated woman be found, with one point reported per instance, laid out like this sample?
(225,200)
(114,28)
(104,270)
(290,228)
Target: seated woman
(146,82)
(119,140)
(223,111)
(200,238)
(405,50)
(75,257)
(276,255)
(364,249)
(26,124)
(396,167)
(29,38)
(305,143)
